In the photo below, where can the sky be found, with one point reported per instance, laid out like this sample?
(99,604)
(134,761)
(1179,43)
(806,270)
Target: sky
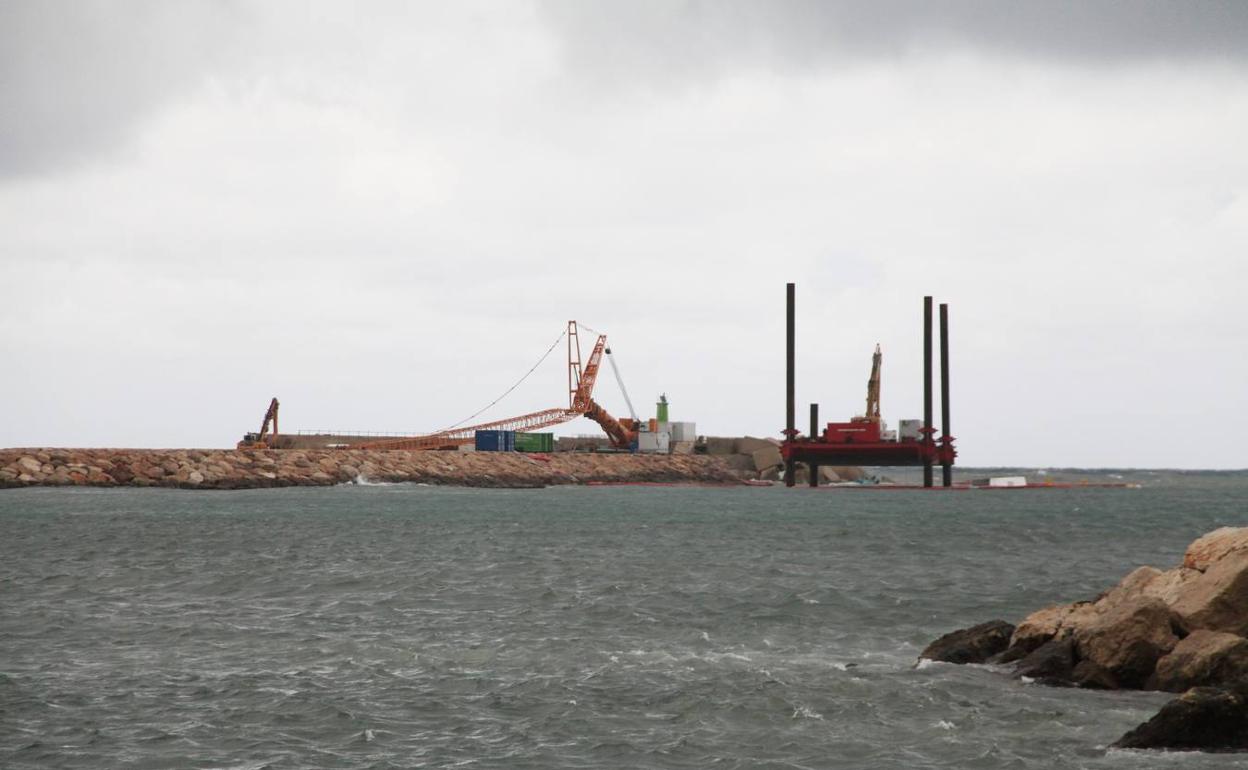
(384,213)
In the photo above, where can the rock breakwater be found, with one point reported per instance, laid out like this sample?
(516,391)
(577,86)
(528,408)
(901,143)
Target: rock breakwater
(1182,630)
(251,469)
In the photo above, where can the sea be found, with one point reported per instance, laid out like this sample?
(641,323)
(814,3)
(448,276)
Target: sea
(408,626)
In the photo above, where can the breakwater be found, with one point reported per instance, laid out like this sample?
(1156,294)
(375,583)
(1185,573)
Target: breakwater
(251,469)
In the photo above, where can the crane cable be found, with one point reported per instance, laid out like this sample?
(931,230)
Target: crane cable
(507,392)
(623,390)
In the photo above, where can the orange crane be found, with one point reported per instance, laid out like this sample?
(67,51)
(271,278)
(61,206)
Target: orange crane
(263,440)
(581,379)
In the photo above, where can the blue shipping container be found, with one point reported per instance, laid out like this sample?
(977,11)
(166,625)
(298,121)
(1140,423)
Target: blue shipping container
(495,440)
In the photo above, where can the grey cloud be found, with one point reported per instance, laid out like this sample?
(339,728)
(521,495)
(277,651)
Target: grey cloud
(76,78)
(703,38)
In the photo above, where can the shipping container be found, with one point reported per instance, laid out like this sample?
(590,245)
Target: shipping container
(535,442)
(495,440)
(682,431)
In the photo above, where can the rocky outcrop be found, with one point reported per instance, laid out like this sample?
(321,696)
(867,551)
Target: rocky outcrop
(1133,635)
(1203,658)
(970,645)
(246,469)
(1201,719)
(1161,630)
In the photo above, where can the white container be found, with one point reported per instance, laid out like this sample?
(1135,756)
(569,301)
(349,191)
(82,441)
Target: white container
(888,435)
(909,430)
(654,443)
(1007,481)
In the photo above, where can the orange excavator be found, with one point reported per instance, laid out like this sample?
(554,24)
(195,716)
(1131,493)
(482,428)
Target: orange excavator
(581,380)
(263,439)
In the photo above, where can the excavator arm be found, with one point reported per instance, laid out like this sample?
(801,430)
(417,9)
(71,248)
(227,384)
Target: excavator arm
(262,439)
(873,386)
(270,416)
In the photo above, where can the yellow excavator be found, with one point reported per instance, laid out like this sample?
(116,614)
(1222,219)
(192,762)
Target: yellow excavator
(263,439)
(873,390)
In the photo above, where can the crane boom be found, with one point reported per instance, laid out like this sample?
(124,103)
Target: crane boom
(582,397)
(581,380)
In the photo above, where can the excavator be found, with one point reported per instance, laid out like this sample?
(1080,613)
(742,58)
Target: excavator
(263,439)
(873,390)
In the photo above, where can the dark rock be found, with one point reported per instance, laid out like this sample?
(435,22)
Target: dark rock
(1201,719)
(1093,676)
(1051,663)
(970,645)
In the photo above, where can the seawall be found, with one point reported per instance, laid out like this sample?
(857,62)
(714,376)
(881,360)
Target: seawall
(251,469)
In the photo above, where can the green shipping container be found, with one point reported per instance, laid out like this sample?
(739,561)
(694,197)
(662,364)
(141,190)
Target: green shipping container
(535,442)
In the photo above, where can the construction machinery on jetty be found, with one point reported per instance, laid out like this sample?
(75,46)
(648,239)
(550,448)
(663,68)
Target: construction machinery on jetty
(582,376)
(864,440)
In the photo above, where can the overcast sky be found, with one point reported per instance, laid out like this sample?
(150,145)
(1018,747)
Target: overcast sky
(384,213)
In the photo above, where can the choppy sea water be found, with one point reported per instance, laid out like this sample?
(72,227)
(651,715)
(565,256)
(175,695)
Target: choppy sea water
(408,626)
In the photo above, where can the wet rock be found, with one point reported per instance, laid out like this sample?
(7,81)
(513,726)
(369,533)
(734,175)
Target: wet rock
(1203,658)
(1129,639)
(970,645)
(1051,663)
(1091,675)
(1201,719)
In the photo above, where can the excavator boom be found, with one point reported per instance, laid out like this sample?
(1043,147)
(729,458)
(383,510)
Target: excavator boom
(262,439)
(873,386)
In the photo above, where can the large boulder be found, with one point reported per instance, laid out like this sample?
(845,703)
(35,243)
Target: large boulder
(1203,658)
(716,445)
(1133,585)
(766,457)
(970,645)
(1169,585)
(1212,547)
(1217,599)
(1055,622)
(1051,663)
(748,445)
(1201,719)
(1127,640)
